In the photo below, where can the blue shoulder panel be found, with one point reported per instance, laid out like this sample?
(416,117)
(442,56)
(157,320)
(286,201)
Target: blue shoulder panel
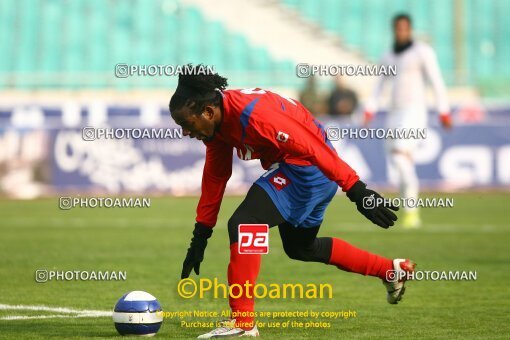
(245,115)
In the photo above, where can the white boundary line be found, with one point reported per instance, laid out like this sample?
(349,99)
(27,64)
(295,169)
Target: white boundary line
(65,312)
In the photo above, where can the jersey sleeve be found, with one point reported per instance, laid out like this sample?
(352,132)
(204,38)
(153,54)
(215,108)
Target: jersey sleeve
(433,74)
(292,138)
(217,172)
(373,101)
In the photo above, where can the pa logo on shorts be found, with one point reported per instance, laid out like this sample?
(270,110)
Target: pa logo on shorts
(280,181)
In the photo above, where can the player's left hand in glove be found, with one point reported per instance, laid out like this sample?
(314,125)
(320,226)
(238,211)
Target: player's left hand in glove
(446,120)
(370,204)
(196,250)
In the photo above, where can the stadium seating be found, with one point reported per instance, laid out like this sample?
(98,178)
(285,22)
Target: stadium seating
(75,44)
(80,42)
(364,25)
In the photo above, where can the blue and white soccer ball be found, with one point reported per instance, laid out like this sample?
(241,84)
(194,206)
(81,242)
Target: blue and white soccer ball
(138,313)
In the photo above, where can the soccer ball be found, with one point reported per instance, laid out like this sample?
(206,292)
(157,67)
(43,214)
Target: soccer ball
(138,313)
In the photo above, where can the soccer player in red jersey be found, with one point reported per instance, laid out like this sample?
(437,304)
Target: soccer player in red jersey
(303,174)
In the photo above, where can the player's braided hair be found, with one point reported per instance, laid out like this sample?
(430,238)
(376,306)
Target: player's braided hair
(196,89)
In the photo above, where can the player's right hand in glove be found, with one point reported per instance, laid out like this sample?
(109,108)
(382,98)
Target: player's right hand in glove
(195,254)
(369,203)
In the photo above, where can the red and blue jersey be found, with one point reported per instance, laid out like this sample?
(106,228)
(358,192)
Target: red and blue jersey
(263,125)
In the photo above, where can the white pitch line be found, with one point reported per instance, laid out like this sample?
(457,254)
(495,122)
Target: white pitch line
(76,313)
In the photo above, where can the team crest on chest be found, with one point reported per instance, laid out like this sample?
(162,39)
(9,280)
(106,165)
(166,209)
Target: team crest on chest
(282,136)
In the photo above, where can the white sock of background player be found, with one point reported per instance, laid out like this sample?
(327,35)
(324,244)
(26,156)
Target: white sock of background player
(407,177)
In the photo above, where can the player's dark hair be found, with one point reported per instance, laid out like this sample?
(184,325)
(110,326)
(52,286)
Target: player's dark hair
(402,16)
(197,88)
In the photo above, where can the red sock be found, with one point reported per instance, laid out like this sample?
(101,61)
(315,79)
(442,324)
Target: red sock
(242,268)
(349,258)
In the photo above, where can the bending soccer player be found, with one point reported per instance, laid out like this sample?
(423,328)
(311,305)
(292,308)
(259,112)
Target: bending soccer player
(303,175)
(416,62)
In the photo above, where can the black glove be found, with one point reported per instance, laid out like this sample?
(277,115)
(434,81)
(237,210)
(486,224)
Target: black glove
(368,204)
(196,250)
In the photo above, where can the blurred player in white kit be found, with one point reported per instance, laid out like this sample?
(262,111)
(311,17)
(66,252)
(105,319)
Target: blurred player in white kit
(416,64)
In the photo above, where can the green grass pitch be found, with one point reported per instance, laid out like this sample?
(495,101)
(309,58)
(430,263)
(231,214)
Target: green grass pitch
(150,244)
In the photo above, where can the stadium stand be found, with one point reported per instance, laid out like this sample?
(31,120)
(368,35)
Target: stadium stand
(482,29)
(99,34)
(74,44)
